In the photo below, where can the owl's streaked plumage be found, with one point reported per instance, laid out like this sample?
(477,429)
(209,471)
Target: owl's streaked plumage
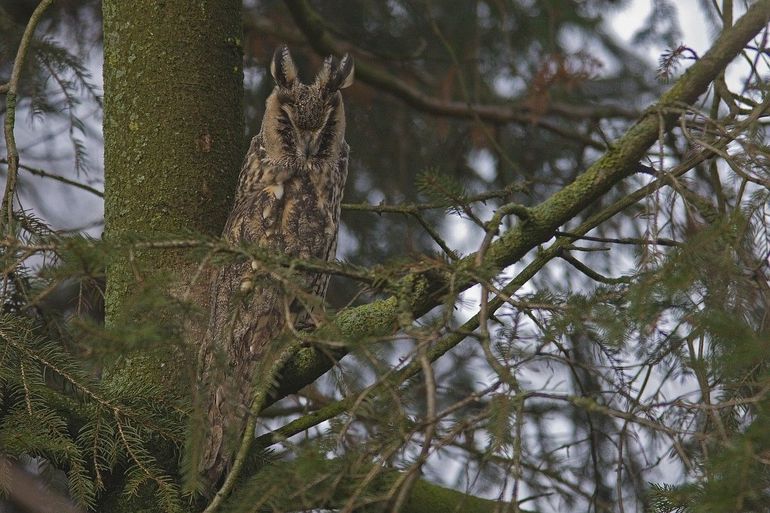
(288,201)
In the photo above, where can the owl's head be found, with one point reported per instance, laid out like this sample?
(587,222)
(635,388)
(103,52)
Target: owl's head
(311,117)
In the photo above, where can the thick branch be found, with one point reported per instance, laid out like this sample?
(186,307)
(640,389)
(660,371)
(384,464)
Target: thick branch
(427,497)
(380,317)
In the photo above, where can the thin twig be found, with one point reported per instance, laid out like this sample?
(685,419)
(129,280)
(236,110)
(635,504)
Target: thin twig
(621,240)
(45,174)
(583,268)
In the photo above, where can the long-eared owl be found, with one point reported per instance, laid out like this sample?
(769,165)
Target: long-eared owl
(287,202)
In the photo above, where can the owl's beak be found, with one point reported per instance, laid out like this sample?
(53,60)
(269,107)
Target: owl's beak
(308,145)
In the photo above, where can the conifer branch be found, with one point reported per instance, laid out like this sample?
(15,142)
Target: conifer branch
(11,94)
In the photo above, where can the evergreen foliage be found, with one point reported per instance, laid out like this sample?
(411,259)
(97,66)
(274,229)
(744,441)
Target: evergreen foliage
(620,363)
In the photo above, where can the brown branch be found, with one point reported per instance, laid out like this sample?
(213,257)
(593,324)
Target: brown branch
(313,28)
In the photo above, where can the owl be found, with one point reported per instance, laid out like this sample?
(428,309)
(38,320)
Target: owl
(287,202)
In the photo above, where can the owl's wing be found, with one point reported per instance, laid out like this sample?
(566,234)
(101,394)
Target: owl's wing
(247,311)
(281,215)
(251,170)
(259,197)
(320,282)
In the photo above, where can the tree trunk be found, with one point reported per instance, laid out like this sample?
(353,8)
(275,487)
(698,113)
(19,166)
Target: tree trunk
(173,137)
(173,128)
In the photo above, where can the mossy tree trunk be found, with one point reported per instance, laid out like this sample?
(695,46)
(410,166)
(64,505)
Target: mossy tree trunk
(173,129)
(173,135)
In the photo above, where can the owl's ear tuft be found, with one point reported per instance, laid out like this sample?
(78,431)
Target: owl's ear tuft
(326,72)
(282,67)
(336,75)
(343,75)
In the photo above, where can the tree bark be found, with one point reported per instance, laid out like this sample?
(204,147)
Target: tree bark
(174,140)
(173,128)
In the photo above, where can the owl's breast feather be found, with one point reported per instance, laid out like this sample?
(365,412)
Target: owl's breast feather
(276,190)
